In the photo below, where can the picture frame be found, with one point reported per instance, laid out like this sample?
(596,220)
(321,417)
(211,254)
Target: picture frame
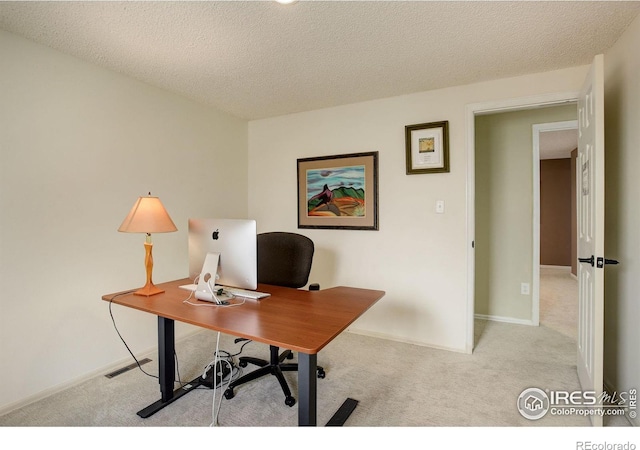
(427,147)
(338,192)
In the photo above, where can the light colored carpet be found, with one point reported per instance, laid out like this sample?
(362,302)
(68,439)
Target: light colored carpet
(396,384)
(559,300)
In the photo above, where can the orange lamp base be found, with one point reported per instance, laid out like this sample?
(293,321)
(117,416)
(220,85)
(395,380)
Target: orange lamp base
(149,289)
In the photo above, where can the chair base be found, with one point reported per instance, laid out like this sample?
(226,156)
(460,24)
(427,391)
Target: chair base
(275,367)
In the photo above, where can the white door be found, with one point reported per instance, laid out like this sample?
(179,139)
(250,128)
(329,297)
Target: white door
(590,180)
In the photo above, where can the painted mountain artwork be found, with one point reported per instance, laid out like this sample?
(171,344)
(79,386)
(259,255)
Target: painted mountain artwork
(337,191)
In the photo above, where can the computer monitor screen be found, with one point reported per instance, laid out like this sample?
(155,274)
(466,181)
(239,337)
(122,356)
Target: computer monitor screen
(235,241)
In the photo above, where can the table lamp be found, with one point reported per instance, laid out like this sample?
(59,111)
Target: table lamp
(148,216)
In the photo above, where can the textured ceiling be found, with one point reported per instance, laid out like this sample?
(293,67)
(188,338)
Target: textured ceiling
(261,59)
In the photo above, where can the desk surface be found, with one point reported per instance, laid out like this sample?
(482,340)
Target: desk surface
(299,320)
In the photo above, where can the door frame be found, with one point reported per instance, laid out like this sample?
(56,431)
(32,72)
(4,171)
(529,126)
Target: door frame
(473,110)
(535,287)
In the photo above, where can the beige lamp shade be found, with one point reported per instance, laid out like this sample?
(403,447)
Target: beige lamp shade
(148,216)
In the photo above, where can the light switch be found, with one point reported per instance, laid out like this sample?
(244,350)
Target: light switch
(440,206)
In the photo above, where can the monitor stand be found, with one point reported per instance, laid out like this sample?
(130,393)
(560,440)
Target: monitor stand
(207,281)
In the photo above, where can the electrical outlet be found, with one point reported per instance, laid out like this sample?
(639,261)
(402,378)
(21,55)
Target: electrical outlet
(524,289)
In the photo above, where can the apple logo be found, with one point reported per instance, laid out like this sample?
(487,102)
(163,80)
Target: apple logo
(215,235)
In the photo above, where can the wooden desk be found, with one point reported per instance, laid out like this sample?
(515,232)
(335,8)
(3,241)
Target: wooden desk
(299,320)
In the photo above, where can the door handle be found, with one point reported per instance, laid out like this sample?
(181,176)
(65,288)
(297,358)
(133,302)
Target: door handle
(603,261)
(587,260)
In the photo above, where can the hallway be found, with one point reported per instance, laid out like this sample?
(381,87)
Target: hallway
(559,300)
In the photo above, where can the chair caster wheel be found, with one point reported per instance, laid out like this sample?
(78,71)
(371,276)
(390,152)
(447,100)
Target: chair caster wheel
(289,401)
(228,394)
(321,373)
(290,355)
(242,364)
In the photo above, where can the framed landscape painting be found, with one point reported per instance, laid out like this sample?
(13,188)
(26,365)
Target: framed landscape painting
(338,192)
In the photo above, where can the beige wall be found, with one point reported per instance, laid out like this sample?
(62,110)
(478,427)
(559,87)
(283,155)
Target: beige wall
(622,222)
(418,257)
(78,145)
(504,209)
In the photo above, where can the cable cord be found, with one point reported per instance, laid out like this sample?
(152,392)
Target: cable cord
(216,360)
(113,320)
(234,373)
(215,304)
(228,359)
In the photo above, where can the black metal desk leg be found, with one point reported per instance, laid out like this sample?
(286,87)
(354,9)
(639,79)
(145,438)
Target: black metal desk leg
(166,362)
(307,389)
(167,370)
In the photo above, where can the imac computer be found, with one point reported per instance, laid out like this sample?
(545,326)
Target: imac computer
(224,251)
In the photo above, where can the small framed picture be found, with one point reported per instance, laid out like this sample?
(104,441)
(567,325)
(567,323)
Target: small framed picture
(427,146)
(338,192)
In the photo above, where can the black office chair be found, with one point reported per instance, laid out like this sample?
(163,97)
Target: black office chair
(284,259)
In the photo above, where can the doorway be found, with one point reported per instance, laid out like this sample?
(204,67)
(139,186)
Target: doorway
(501,263)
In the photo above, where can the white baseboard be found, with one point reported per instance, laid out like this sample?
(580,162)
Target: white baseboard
(403,341)
(504,319)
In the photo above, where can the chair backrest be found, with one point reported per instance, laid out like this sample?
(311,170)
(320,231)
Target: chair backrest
(284,259)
